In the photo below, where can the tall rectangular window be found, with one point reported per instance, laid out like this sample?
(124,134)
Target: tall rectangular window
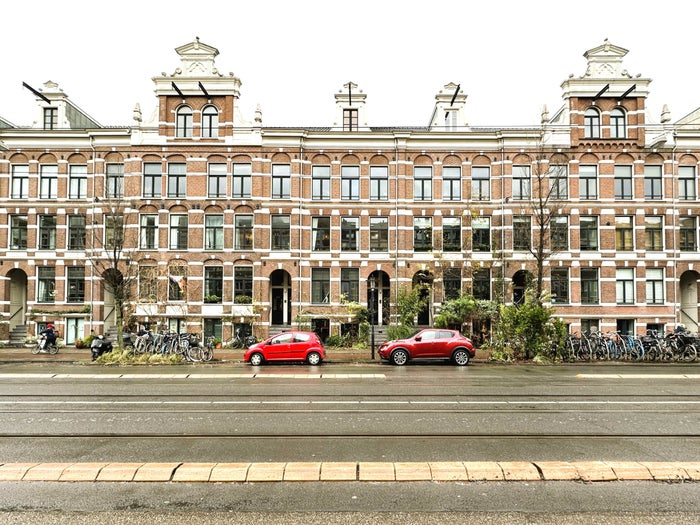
(588,229)
(481,183)
(76,232)
(451,234)
(321,234)
(48,181)
(559,233)
(350,119)
(213,232)
(152,180)
(451,183)
(148,231)
(422,234)
(50,118)
(243,232)
(588,182)
(115,181)
(688,234)
(281,181)
(481,284)
(349,234)
(177,180)
(321,183)
(77,181)
(422,183)
(559,182)
(350,183)
(178,232)
(653,233)
(46,282)
(20,181)
(522,233)
(47,232)
(216,180)
(655,286)
(624,234)
(243,284)
(379,183)
(213,284)
(210,122)
(242,180)
(148,284)
(653,183)
(280,232)
(624,286)
(481,234)
(687,186)
(114,232)
(521,183)
(320,285)
(177,282)
(378,234)
(18,232)
(589,285)
(560,285)
(623,182)
(75,277)
(452,283)
(350,284)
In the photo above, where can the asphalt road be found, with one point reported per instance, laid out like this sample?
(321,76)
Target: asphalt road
(65,413)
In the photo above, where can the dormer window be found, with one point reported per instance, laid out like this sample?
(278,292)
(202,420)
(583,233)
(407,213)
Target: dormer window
(618,125)
(50,118)
(350,119)
(210,122)
(451,120)
(183,122)
(591,124)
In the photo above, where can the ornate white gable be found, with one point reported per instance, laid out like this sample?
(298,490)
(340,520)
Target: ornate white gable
(197,60)
(605,61)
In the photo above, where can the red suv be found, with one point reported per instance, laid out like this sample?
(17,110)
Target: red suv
(430,343)
(287,346)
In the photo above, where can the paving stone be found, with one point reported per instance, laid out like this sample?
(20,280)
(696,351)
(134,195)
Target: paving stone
(483,471)
(45,472)
(193,472)
(376,471)
(339,471)
(82,472)
(519,471)
(266,472)
(595,471)
(156,472)
(558,470)
(448,471)
(302,472)
(630,470)
(118,471)
(666,471)
(412,471)
(691,468)
(229,472)
(14,471)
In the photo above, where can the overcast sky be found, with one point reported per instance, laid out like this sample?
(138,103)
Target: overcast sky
(510,57)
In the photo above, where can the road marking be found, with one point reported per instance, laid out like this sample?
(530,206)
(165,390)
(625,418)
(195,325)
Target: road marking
(638,376)
(192,376)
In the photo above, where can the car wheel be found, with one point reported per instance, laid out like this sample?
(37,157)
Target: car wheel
(461,357)
(256,359)
(314,358)
(399,357)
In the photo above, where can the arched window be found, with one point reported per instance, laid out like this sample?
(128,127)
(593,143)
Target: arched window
(591,124)
(618,125)
(210,122)
(183,122)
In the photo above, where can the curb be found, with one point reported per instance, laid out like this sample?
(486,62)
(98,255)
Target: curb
(445,471)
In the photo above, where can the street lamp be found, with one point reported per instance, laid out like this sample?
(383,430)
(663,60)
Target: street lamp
(372,288)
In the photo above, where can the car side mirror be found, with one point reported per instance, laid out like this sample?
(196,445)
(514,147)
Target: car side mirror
(418,338)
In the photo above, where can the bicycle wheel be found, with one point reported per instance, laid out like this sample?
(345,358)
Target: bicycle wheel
(206,354)
(36,348)
(690,353)
(53,349)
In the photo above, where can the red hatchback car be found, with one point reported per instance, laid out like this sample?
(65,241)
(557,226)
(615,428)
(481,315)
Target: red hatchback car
(287,346)
(430,343)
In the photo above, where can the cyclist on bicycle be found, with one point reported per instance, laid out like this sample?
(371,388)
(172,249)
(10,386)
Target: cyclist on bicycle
(50,333)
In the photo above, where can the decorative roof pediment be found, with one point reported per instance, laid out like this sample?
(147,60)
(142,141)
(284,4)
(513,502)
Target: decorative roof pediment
(605,61)
(197,60)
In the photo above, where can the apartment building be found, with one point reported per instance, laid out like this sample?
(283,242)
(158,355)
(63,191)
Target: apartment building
(216,221)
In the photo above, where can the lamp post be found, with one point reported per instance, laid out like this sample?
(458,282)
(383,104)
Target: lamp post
(372,288)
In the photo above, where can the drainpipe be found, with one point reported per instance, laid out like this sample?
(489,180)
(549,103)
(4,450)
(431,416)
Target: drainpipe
(674,200)
(92,233)
(301,218)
